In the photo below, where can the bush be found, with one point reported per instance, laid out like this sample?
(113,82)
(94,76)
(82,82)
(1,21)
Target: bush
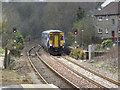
(10,42)
(10,46)
(106,43)
(2,51)
(20,39)
(81,55)
(77,54)
(97,46)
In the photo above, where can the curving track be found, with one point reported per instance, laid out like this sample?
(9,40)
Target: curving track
(64,63)
(46,72)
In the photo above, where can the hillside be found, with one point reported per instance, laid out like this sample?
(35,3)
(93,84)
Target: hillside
(32,18)
(0,11)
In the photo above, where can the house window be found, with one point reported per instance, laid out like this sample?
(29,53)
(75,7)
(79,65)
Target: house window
(100,18)
(106,17)
(119,17)
(119,30)
(106,30)
(99,30)
(113,21)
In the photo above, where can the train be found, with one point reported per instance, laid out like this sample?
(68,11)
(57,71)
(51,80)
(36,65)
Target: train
(53,41)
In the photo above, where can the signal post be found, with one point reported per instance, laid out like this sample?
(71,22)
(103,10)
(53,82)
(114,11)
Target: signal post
(75,32)
(7,52)
(14,31)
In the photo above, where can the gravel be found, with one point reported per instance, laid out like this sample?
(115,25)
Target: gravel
(96,69)
(48,75)
(79,81)
(88,74)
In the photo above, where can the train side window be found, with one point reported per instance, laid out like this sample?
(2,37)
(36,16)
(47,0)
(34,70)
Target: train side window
(61,38)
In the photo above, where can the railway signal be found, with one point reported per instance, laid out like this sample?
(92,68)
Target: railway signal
(14,30)
(75,32)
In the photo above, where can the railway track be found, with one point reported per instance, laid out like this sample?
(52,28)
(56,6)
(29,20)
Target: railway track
(85,77)
(64,83)
(74,71)
(35,69)
(110,80)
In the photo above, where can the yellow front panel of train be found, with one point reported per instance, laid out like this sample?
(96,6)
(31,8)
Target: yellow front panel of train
(62,39)
(50,39)
(55,40)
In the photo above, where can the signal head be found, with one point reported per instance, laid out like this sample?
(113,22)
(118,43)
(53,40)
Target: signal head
(75,32)
(14,30)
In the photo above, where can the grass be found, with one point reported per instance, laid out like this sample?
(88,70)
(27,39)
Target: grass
(9,77)
(2,51)
(103,65)
(97,64)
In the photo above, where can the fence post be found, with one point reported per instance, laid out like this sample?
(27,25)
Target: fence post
(5,59)
(89,50)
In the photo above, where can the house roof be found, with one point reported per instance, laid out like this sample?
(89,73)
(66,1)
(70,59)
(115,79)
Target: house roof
(111,9)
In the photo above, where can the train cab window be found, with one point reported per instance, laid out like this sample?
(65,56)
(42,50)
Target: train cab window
(51,37)
(61,38)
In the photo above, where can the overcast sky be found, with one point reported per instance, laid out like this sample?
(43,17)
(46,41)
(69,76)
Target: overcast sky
(53,0)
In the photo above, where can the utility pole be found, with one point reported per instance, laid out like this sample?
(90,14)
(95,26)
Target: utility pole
(117,37)
(82,39)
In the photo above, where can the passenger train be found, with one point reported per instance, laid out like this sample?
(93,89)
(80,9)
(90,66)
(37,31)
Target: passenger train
(53,41)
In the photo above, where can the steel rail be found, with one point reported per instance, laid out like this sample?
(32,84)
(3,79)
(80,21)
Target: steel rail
(68,81)
(108,79)
(90,80)
(43,80)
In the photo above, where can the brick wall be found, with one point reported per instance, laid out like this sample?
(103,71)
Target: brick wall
(107,24)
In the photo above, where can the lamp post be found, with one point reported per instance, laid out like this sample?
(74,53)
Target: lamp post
(82,38)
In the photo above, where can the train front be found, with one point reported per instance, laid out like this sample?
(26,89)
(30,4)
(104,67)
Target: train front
(56,43)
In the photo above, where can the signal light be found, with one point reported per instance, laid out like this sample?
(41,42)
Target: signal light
(75,32)
(14,30)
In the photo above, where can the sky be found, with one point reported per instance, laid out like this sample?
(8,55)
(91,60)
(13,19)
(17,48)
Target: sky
(53,0)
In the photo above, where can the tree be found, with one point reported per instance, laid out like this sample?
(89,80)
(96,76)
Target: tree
(20,40)
(80,13)
(8,42)
(33,18)
(88,33)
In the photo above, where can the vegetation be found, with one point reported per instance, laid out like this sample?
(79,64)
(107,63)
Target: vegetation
(32,18)
(106,43)
(9,42)
(2,51)
(97,47)
(80,13)
(77,53)
(88,34)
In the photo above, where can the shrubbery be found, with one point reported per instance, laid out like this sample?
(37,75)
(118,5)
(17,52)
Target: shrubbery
(77,54)
(10,42)
(106,43)
(2,51)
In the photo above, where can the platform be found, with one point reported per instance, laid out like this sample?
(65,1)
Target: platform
(1,62)
(30,87)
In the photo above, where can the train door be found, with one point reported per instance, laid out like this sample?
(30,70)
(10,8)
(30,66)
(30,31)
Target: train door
(56,43)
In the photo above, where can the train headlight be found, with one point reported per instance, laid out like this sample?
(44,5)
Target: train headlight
(61,44)
(51,45)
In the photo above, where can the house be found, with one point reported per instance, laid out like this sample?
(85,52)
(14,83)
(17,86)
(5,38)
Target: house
(107,20)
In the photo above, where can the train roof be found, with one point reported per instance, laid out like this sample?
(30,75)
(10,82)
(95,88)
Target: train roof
(48,31)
